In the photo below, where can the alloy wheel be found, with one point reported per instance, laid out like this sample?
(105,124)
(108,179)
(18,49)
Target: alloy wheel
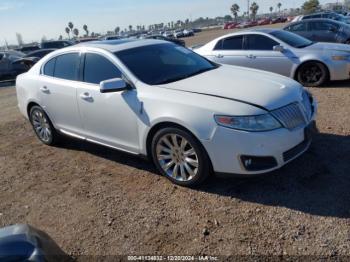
(177,157)
(312,74)
(41,125)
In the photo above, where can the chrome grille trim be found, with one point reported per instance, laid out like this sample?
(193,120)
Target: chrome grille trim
(291,116)
(307,107)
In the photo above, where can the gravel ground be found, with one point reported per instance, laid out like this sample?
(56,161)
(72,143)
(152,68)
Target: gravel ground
(97,201)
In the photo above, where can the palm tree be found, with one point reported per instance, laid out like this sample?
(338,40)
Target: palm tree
(130,27)
(254,8)
(235,10)
(76,32)
(117,30)
(279,7)
(70,25)
(271,9)
(68,32)
(85,27)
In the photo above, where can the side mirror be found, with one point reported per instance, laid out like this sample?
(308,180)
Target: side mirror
(278,48)
(113,85)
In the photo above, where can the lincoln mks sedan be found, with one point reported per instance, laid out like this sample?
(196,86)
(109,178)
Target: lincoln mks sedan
(190,116)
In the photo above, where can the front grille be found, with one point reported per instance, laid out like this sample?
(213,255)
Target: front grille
(290,116)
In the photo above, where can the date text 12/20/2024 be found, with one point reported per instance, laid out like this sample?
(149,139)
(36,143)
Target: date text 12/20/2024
(172,258)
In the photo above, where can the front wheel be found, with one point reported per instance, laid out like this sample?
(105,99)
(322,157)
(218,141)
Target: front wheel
(179,156)
(312,74)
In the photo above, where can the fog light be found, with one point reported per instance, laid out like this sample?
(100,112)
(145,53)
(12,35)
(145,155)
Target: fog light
(254,163)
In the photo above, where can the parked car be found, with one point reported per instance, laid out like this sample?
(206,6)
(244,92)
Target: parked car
(26,243)
(196,30)
(178,33)
(40,53)
(160,100)
(233,26)
(278,20)
(282,52)
(228,25)
(32,58)
(243,25)
(264,21)
(9,70)
(252,23)
(87,39)
(169,39)
(321,30)
(56,44)
(28,48)
(168,34)
(188,33)
(290,18)
(111,37)
(325,15)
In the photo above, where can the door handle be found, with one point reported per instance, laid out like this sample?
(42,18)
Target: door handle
(219,56)
(251,56)
(44,89)
(86,96)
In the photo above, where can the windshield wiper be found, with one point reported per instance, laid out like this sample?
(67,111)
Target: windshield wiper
(178,78)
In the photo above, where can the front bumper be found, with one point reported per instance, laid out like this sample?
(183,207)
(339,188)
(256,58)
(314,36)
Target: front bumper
(228,148)
(339,70)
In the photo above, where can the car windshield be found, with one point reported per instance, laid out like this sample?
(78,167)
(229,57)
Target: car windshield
(292,39)
(163,63)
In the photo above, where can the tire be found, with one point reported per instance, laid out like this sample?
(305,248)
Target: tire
(42,126)
(184,162)
(312,74)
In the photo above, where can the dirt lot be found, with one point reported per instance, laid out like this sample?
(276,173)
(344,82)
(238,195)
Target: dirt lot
(96,201)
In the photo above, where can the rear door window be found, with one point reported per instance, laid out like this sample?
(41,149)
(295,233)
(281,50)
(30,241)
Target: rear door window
(300,27)
(231,43)
(49,68)
(66,66)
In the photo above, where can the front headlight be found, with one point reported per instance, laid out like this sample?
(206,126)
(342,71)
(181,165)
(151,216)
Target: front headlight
(249,123)
(340,57)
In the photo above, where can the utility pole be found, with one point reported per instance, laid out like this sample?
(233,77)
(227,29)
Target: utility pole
(248,9)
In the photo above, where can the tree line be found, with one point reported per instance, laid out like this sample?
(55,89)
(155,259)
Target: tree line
(310,6)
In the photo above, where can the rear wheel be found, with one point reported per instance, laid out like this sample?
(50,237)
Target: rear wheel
(180,157)
(42,126)
(312,74)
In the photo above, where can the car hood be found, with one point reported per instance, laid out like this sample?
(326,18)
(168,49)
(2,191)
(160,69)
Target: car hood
(329,47)
(259,88)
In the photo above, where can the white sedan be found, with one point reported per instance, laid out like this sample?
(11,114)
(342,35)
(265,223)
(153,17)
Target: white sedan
(156,99)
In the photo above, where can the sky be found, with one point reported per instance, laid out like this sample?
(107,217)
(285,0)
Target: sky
(34,19)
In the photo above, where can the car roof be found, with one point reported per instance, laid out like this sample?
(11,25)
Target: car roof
(321,13)
(121,44)
(261,30)
(316,20)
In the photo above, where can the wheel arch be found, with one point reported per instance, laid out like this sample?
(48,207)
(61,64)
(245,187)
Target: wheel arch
(161,125)
(168,124)
(29,107)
